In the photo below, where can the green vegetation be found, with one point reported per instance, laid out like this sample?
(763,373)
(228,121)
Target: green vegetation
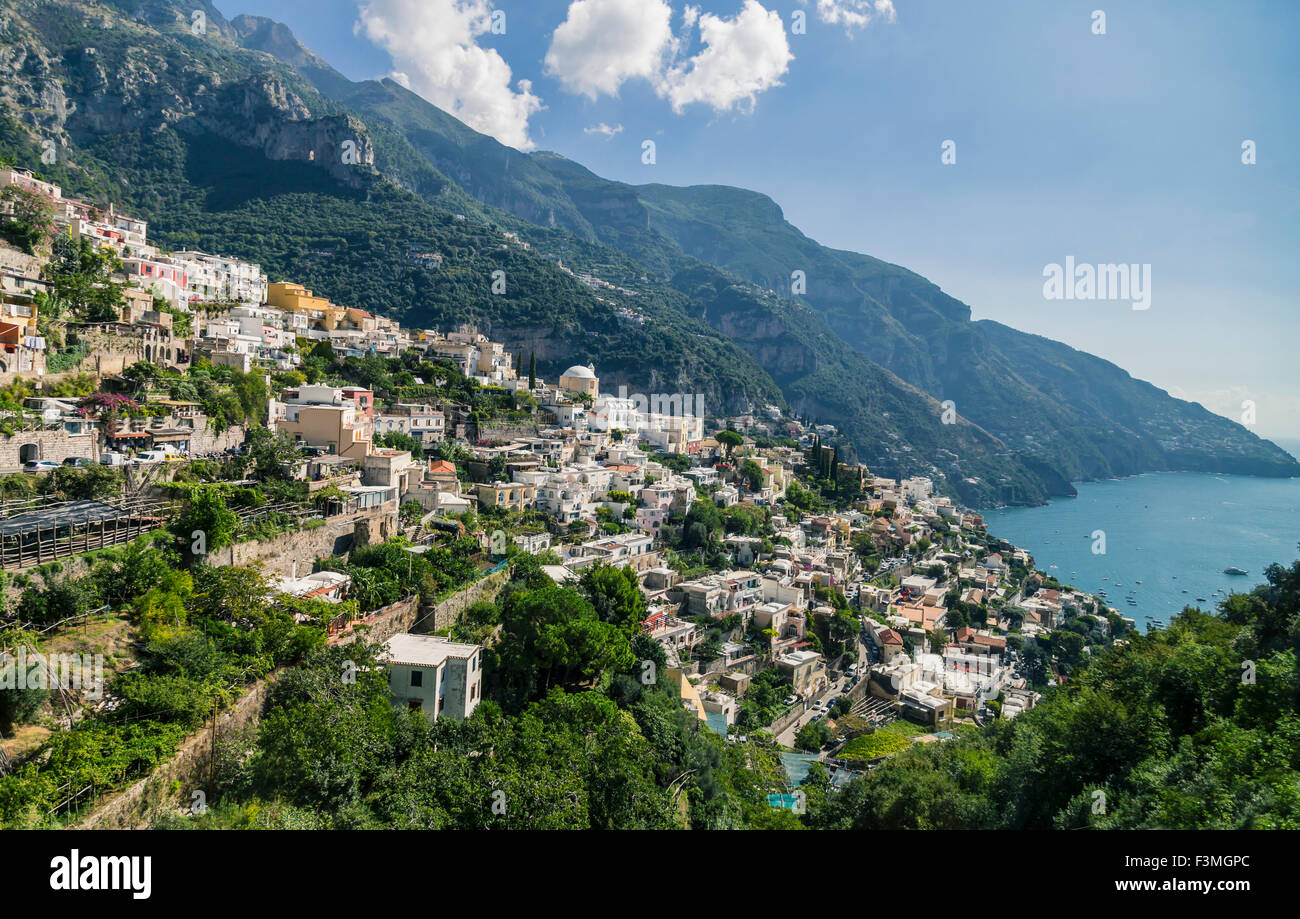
(573,735)
(28,219)
(1196,727)
(206,635)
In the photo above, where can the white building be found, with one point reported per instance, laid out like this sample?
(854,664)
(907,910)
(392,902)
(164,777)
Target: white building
(440,677)
(218,278)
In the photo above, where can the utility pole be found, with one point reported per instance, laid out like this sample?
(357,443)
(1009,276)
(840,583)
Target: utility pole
(212,761)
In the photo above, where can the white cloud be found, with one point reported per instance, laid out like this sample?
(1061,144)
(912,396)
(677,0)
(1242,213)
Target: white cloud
(603,129)
(434,46)
(855,14)
(742,57)
(603,43)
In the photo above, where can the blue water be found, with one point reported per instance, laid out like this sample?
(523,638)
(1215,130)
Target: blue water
(1173,531)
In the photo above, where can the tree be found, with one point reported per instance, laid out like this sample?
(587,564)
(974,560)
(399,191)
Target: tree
(400,440)
(28,218)
(80,277)
(552,636)
(729,439)
(207,523)
(532,370)
(813,736)
(616,596)
(273,456)
(55,601)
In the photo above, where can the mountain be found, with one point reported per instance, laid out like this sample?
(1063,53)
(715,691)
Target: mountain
(241,140)
(1077,413)
(1068,414)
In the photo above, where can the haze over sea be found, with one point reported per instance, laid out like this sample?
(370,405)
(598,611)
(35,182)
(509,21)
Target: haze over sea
(1175,532)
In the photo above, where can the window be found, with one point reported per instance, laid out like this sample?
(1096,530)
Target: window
(417,677)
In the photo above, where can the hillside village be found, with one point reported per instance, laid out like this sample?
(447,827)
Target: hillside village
(384,482)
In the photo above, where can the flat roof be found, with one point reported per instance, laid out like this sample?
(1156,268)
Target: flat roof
(424,650)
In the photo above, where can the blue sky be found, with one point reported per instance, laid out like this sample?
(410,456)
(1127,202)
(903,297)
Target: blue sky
(1116,147)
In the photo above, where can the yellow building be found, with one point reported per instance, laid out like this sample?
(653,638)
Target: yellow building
(341,429)
(513,495)
(294,298)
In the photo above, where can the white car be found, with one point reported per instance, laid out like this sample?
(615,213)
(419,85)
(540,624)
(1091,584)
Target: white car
(147,458)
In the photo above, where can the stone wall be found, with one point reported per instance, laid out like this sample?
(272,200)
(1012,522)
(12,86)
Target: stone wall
(383,624)
(338,536)
(110,352)
(54,445)
(788,718)
(448,611)
(207,439)
(505,431)
(171,786)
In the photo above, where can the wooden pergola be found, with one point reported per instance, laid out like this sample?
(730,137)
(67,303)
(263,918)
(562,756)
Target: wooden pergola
(74,527)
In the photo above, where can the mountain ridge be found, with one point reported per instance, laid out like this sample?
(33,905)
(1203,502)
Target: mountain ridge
(871,348)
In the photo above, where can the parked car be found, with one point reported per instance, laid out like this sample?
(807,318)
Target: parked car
(112,458)
(39,466)
(147,458)
(791,700)
(78,461)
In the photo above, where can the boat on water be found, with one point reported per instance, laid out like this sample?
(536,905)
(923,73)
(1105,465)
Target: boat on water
(1139,582)
(1201,600)
(1235,571)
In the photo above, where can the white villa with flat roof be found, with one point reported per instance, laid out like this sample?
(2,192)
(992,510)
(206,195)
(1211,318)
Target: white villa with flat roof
(442,678)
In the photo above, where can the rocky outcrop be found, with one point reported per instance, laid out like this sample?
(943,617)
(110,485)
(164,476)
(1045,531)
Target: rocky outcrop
(79,95)
(261,113)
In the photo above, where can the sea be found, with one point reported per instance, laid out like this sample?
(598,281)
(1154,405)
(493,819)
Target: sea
(1168,537)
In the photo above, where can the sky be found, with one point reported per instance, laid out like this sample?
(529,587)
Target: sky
(974,143)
